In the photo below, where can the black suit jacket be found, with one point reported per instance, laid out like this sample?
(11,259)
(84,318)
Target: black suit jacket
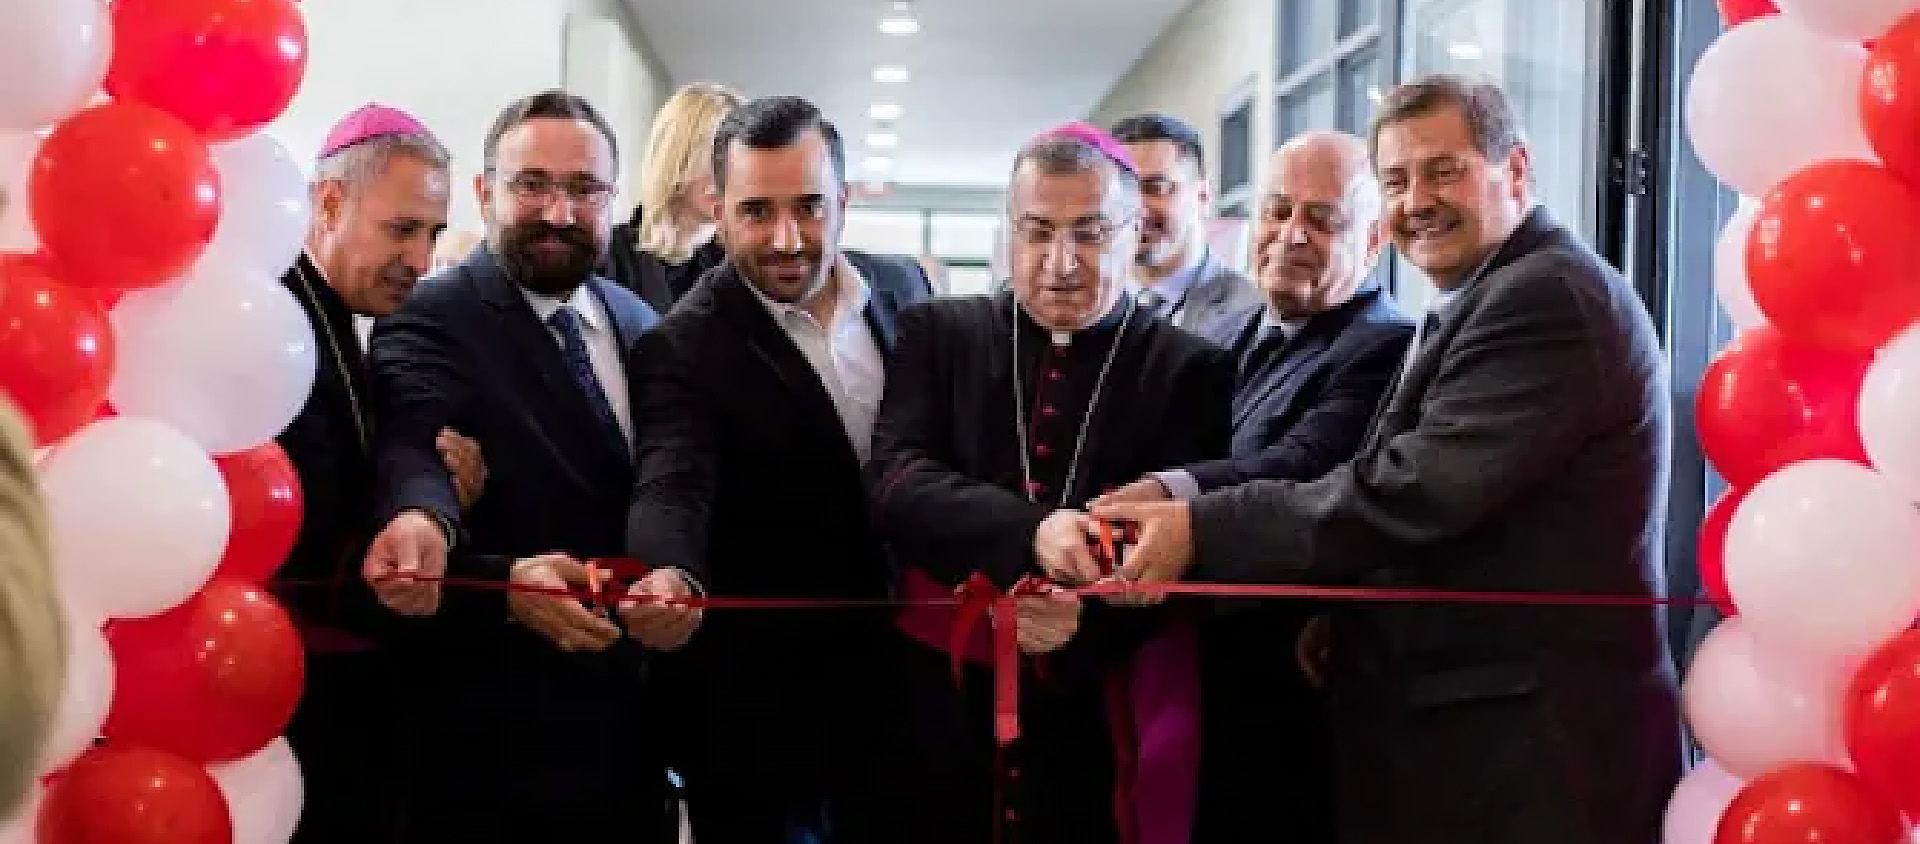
(655,281)
(1525,449)
(467,351)
(746,476)
(1301,411)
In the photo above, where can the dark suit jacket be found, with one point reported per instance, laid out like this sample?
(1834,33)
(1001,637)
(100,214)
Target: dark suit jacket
(1213,307)
(1524,450)
(466,351)
(1302,411)
(655,281)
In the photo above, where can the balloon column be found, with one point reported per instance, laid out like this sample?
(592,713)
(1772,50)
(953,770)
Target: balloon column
(1807,697)
(144,224)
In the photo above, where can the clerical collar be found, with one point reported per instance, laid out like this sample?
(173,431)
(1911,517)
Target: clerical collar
(1110,321)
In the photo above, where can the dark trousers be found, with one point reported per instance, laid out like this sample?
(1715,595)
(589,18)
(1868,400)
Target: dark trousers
(1266,770)
(779,732)
(343,733)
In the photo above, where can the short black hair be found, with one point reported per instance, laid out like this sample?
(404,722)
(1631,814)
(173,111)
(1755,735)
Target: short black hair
(547,105)
(1158,126)
(772,123)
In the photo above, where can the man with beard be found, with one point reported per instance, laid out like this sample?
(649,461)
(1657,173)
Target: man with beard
(755,416)
(1523,449)
(1003,416)
(1313,364)
(531,725)
(1180,277)
(379,199)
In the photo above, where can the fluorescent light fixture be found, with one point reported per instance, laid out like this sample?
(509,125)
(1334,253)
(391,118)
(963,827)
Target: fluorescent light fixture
(885,111)
(890,74)
(883,140)
(901,21)
(879,164)
(1466,51)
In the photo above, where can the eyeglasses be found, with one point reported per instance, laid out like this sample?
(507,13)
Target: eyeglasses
(1159,187)
(1085,234)
(539,190)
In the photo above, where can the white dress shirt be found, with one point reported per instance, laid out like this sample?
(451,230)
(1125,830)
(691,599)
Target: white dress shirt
(844,355)
(603,347)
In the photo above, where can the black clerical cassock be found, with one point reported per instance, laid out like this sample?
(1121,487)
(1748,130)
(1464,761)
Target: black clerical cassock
(973,383)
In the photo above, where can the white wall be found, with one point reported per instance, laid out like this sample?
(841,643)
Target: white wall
(1213,50)
(455,63)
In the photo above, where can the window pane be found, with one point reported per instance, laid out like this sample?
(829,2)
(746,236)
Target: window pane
(1310,106)
(1359,89)
(1355,14)
(896,232)
(1236,148)
(1545,53)
(964,235)
(1306,32)
(965,281)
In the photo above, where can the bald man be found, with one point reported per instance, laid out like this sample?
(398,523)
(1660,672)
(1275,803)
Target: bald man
(1313,362)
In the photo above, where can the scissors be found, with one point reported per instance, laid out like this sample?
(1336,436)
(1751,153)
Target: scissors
(1110,543)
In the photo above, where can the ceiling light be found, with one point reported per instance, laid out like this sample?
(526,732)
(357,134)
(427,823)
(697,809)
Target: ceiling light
(879,164)
(883,140)
(1466,51)
(884,111)
(890,74)
(901,21)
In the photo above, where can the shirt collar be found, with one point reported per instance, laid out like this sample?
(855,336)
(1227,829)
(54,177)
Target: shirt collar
(851,301)
(580,300)
(1176,286)
(1270,321)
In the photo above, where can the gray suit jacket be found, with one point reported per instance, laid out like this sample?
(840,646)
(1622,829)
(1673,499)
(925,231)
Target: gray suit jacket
(1524,449)
(1217,305)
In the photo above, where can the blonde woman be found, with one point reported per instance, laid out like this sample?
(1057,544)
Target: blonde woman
(669,243)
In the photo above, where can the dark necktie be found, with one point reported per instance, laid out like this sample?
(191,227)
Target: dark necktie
(573,347)
(1273,339)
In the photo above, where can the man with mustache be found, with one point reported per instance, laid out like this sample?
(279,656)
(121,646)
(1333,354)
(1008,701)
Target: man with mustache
(755,416)
(1180,277)
(1312,366)
(531,723)
(1523,449)
(379,199)
(1003,416)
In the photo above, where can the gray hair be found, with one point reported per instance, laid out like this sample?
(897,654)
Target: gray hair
(1489,114)
(363,162)
(1068,156)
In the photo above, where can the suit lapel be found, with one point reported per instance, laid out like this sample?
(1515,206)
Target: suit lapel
(770,343)
(1308,345)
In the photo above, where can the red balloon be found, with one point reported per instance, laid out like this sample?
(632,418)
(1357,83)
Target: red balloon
(225,67)
(56,349)
(265,495)
(1737,12)
(1711,551)
(212,680)
(123,196)
(1890,98)
(1833,258)
(128,794)
(1883,722)
(1808,804)
(1767,401)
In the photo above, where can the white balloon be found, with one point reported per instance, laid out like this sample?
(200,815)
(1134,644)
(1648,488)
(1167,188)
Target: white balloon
(87,693)
(53,56)
(226,356)
(1693,814)
(1889,410)
(1853,20)
(263,205)
(139,515)
(1753,716)
(17,150)
(1769,98)
(264,792)
(1730,267)
(1820,560)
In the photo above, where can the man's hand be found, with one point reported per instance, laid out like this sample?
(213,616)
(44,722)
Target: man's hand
(1165,548)
(1311,650)
(406,562)
(1060,547)
(464,463)
(657,610)
(1145,490)
(560,618)
(1046,621)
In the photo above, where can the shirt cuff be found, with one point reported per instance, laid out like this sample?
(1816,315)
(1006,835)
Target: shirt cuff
(1179,483)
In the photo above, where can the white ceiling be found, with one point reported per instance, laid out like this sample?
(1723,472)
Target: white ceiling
(987,74)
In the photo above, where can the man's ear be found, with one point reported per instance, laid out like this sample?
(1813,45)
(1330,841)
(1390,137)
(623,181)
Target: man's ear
(483,191)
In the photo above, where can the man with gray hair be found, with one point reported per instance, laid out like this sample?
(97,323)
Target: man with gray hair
(379,198)
(1003,416)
